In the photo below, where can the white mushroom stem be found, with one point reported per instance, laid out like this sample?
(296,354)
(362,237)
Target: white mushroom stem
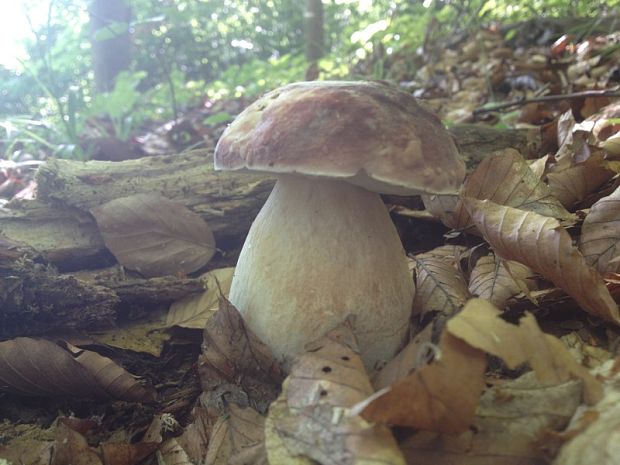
(320,250)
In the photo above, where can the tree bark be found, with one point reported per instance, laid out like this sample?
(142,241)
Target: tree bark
(110,55)
(314,41)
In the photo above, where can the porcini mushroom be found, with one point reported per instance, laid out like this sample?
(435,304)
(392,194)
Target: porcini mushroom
(323,246)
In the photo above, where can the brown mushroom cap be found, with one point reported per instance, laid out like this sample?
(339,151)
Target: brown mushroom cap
(366,133)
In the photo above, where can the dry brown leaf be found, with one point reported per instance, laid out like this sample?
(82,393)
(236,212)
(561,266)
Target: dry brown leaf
(195,311)
(118,383)
(480,326)
(497,281)
(593,433)
(72,448)
(441,396)
(155,236)
(412,357)
(195,438)
(506,179)
(440,285)
(600,234)
(237,438)
(540,243)
(572,185)
(312,416)
(41,368)
(236,362)
(512,421)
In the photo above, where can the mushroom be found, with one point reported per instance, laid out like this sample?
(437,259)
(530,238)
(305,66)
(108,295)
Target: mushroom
(323,246)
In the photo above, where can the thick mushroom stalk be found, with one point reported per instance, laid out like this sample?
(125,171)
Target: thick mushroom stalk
(318,251)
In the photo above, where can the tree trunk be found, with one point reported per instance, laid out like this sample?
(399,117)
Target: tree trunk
(110,40)
(313,30)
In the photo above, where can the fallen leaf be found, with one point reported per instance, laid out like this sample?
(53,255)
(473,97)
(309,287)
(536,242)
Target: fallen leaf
(542,244)
(574,184)
(497,281)
(506,179)
(153,235)
(144,335)
(71,448)
(38,367)
(413,356)
(441,396)
(512,420)
(479,325)
(594,430)
(440,285)
(236,362)
(195,311)
(237,438)
(600,234)
(312,416)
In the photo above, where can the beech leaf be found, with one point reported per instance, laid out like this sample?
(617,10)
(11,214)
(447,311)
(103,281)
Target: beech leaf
(155,236)
(572,185)
(513,419)
(41,368)
(505,178)
(194,311)
(600,234)
(441,396)
(542,244)
(312,416)
(440,285)
(234,356)
(479,325)
(495,280)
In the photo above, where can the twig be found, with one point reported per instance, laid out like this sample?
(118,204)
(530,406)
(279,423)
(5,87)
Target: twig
(550,98)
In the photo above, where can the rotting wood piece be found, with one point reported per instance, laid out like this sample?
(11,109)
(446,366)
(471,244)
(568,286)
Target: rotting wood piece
(227,201)
(35,299)
(59,227)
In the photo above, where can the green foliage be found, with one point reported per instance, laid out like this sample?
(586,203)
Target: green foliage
(188,50)
(119,105)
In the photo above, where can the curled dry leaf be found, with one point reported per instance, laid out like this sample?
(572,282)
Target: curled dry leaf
(195,311)
(41,368)
(441,396)
(237,438)
(540,243)
(153,235)
(600,234)
(234,360)
(505,178)
(512,420)
(440,285)
(480,326)
(572,185)
(312,416)
(495,280)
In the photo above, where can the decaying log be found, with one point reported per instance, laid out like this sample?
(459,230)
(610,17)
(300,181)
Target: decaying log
(35,299)
(59,227)
(227,201)
(476,141)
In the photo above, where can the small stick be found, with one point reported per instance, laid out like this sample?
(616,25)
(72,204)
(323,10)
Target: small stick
(550,98)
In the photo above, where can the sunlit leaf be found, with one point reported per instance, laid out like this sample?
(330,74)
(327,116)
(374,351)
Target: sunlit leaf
(542,244)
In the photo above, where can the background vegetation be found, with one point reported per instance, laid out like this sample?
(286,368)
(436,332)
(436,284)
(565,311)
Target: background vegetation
(184,53)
